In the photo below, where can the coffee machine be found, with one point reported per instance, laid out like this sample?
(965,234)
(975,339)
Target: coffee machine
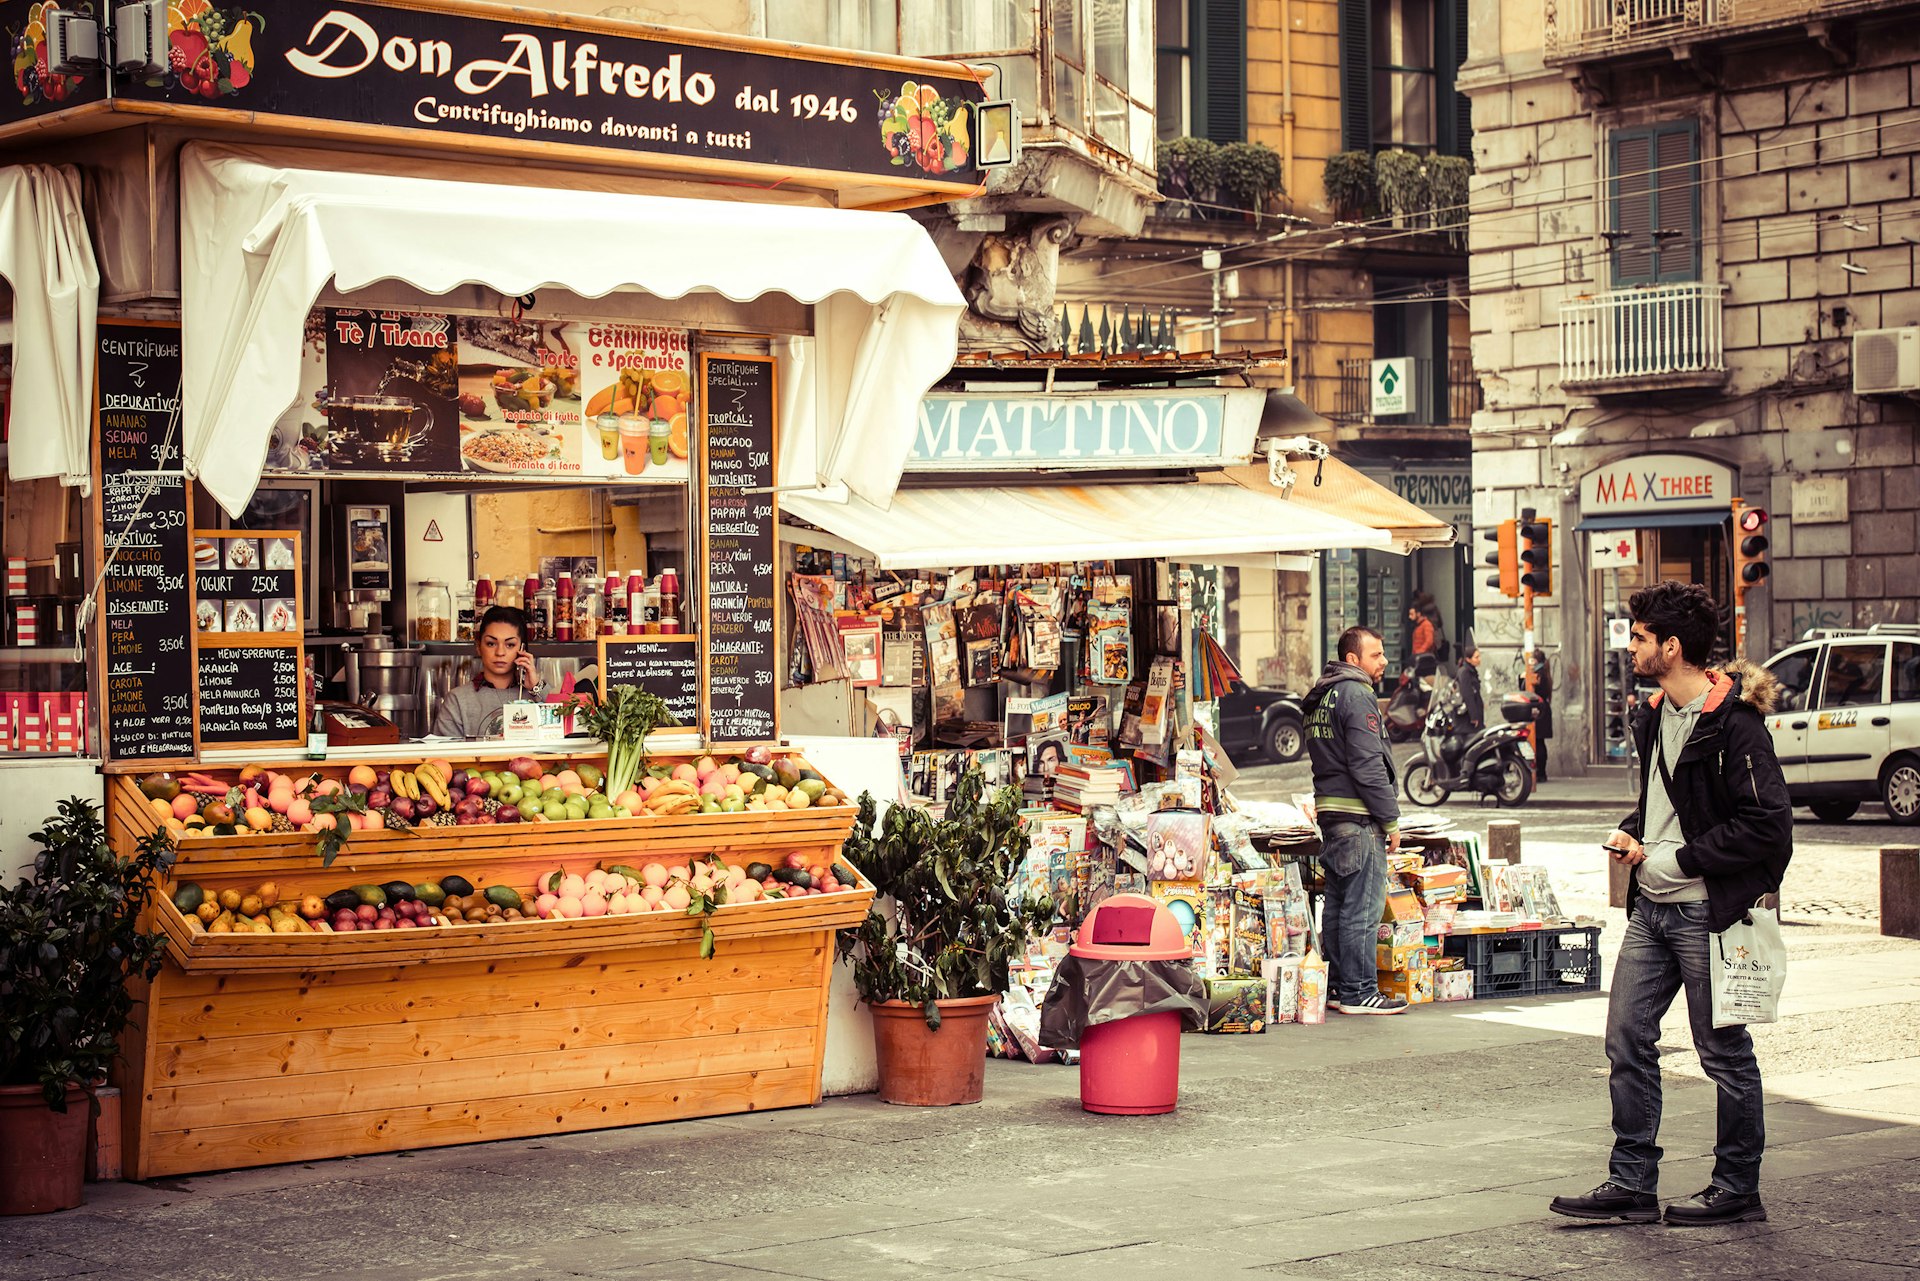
(366,550)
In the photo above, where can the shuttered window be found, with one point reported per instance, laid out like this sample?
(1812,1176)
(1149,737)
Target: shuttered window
(1654,221)
(1455,109)
(1356,75)
(1219,39)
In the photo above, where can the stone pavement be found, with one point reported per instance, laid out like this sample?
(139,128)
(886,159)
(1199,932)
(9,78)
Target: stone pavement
(1423,1146)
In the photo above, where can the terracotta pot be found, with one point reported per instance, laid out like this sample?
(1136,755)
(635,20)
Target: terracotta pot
(43,1153)
(922,1068)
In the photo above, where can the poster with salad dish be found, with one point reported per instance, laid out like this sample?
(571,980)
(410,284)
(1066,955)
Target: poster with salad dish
(637,382)
(519,396)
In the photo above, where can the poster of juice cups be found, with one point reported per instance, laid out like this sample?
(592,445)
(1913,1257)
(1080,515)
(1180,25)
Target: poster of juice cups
(637,382)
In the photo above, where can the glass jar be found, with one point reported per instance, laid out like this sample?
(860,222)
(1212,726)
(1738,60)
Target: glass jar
(589,612)
(465,596)
(432,611)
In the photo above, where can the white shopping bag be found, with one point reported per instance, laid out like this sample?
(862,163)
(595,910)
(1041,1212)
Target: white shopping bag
(1749,961)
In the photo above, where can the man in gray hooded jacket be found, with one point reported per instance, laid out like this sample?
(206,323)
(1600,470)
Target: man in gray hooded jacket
(1359,817)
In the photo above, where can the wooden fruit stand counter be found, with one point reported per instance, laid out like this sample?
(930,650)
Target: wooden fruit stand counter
(255,1049)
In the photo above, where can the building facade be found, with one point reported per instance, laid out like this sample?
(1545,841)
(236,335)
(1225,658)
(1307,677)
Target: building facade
(1689,224)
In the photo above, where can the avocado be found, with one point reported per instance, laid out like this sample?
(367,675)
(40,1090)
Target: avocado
(503,896)
(430,893)
(399,892)
(758,871)
(845,875)
(459,886)
(762,772)
(795,877)
(342,901)
(188,898)
(371,895)
(809,776)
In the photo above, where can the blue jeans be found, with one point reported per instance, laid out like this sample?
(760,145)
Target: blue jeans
(1354,856)
(1664,950)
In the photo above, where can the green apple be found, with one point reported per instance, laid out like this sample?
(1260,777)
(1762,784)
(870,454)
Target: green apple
(511,794)
(528,807)
(556,811)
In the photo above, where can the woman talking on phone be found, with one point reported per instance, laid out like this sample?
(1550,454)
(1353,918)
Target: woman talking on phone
(504,674)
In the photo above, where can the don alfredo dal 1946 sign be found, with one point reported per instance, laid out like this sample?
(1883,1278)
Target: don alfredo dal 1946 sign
(448,70)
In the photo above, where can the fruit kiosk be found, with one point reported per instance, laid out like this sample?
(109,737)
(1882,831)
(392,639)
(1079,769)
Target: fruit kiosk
(388,329)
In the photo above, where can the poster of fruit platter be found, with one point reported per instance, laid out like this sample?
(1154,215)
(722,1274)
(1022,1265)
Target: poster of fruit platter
(637,383)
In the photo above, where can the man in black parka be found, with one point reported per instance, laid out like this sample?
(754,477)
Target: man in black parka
(1713,833)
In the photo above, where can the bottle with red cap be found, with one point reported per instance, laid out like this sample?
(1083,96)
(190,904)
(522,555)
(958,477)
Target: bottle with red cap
(614,606)
(636,592)
(670,600)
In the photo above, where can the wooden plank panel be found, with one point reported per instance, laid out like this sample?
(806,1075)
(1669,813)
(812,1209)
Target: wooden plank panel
(279,1056)
(212,1006)
(324,1095)
(558,1112)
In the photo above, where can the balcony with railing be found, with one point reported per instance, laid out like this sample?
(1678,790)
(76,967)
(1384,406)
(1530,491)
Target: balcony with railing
(1451,402)
(1643,339)
(1595,30)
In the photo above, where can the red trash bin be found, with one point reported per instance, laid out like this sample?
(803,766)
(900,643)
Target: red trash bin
(1131,1066)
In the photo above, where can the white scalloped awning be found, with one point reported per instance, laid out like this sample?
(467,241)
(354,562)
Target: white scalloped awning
(260,241)
(47,256)
(1010,524)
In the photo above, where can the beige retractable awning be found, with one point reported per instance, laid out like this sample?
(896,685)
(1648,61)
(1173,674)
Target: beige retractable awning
(1348,494)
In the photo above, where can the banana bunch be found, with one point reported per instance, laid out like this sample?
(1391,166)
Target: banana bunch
(434,784)
(673,796)
(404,784)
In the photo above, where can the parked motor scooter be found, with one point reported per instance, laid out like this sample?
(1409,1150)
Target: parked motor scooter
(1496,761)
(1407,707)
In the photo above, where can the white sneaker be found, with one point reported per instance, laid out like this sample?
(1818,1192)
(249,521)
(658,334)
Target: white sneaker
(1378,1003)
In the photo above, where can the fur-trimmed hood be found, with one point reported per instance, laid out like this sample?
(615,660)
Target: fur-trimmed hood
(1751,683)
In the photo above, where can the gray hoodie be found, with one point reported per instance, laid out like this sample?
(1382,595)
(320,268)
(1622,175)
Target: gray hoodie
(1353,774)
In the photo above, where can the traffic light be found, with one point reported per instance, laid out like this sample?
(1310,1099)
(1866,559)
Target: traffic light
(1536,553)
(1750,566)
(1506,558)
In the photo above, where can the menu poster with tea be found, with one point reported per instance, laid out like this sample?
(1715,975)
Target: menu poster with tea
(252,695)
(394,392)
(743,693)
(138,374)
(667,667)
(635,379)
(147,609)
(519,396)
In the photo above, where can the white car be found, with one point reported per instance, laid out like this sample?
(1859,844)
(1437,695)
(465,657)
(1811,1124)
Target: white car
(1847,728)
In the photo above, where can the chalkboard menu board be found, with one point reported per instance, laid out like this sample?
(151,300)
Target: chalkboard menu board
(251,696)
(138,368)
(667,667)
(148,615)
(742,692)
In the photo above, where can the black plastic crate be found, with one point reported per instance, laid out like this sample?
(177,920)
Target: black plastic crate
(1569,960)
(1505,964)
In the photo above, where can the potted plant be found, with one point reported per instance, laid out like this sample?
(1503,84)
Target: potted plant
(932,969)
(1401,180)
(1189,172)
(1447,195)
(1349,184)
(70,939)
(1250,175)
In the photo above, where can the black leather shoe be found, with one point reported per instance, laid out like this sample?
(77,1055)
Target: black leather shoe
(1714,1206)
(1610,1201)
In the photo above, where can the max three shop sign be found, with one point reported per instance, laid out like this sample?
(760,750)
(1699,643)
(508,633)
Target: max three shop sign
(1075,431)
(1656,483)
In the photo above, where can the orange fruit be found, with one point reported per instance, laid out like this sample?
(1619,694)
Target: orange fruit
(670,381)
(665,406)
(677,442)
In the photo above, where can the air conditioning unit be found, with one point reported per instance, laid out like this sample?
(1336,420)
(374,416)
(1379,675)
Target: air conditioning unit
(1886,362)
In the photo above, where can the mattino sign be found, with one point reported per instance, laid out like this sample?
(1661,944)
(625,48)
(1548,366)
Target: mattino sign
(1656,483)
(1086,430)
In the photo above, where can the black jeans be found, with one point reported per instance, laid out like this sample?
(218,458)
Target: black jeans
(1664,950)
(1354,856)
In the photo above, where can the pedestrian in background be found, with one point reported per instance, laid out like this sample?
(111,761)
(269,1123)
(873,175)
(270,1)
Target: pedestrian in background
(1429,635)
(1712,834)
(1543,727)
(1359,817)
(1467,677)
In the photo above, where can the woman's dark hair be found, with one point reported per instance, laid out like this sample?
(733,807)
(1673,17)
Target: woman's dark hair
(508,614)
(1681,610)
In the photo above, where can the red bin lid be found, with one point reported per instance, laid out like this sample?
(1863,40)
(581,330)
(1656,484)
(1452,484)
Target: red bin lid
(1131,927)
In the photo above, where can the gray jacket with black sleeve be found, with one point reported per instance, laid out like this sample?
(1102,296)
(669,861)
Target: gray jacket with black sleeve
(1353,774)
